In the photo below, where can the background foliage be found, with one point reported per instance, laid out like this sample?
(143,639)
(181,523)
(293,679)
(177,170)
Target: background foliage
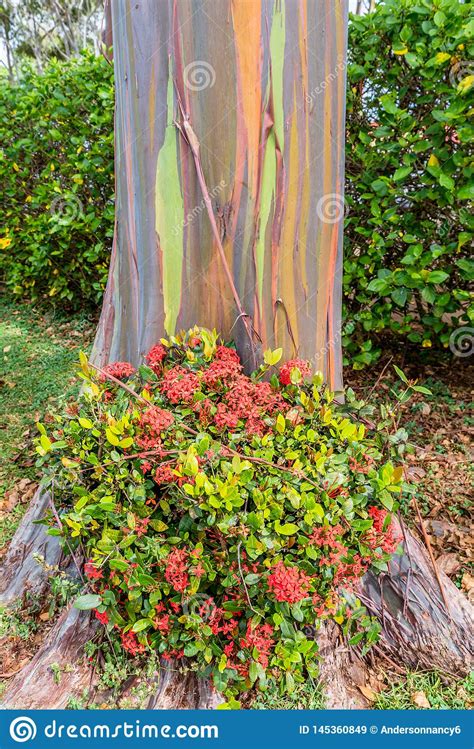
(409,173)
(56,170)
(409,186)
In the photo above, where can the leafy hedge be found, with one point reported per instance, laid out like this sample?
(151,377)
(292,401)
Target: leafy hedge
(409,173)
(409,168)
(56,171)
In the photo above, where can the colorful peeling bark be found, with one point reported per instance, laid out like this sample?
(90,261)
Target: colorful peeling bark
(261,83)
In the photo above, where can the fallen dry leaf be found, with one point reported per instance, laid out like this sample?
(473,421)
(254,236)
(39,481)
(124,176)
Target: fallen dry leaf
(420,699)
(369,693)
(448,563)
(467,584)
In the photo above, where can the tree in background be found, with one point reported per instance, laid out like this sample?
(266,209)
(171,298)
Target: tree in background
(41,29)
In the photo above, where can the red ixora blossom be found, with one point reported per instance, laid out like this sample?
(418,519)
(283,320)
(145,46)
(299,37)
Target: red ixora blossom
(288,583)
(179,385)
(260,638)
(103,618)
(176,572)
(119,369)
(326,535)
(163,624)
(164,474)
(91,571)
(225,419)
(155,357)
(377,536)
(303,366)
(153,421)
(131,644)
(225,368)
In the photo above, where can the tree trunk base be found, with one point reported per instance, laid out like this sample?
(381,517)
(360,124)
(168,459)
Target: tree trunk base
(418,629)
(59,669)
(341,670)
(20,572)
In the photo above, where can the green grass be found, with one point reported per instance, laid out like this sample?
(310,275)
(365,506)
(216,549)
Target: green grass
(38,352)
(309,696)
(441,694)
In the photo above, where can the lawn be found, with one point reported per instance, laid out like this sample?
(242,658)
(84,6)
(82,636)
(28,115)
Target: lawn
(39,354)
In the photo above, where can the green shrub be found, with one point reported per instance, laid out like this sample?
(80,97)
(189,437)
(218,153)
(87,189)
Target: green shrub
(409,173)
(222,516)
(56,171)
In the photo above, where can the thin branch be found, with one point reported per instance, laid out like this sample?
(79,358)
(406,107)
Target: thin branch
(433,562)
(191,139)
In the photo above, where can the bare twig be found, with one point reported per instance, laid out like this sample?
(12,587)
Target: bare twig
(433,562)
(186,130)
(243,580)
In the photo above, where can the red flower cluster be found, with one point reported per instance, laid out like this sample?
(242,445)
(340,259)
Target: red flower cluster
(153,421)
(131,644)
(286,369)
(164,474)
(347,574)
(250,401)
(225,419)
(155,357)
(260,638)
(163,624)
(257,638)
(91,571)
(179,385)
(103,618)
(119,369)
(224,368)
(176,572)
(141,525)
(378,537)
(288,583)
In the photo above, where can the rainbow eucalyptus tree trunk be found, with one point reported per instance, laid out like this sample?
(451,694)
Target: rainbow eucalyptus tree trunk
(252,93)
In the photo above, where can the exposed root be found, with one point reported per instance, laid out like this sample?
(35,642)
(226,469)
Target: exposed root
(19,571)
(418,630)
(59,670)
(341,671)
